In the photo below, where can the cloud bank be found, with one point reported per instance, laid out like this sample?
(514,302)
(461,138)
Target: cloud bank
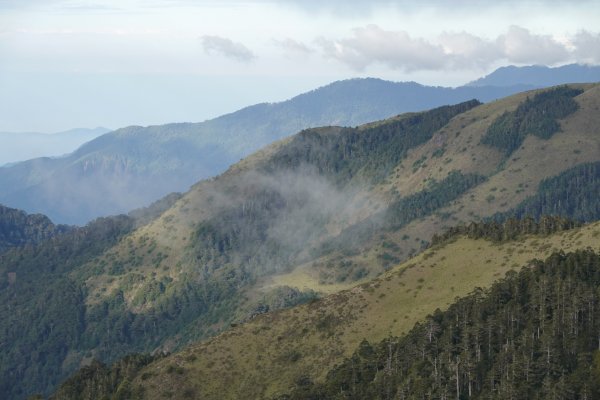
(399,50)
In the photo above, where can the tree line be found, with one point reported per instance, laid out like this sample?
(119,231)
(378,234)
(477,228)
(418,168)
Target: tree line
(536,116)
(533,335)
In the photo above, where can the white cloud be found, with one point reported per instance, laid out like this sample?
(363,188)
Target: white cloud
(227,48)
(519,45)
(452,51)
(466,50)
(397,50)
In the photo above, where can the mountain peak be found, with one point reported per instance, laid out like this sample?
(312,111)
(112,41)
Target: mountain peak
(539,75)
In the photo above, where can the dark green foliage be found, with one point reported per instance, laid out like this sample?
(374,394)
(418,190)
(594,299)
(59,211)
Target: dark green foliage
(533,335)
(61,253)
(98,382)
(510,229)
(437,195)
(371,153)
(572,194)
(42,312)
(562,202)
(536,116)
(38,331)
(18,228)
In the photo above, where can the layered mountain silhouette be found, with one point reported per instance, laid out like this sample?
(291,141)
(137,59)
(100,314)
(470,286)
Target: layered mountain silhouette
(539,75)
(133,166)
(22,146)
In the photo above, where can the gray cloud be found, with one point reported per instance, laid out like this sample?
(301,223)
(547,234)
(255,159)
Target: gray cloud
(227,48)
(587,47)
(294,47)
(398,50)
(465,50)
(372,44)
(521,46)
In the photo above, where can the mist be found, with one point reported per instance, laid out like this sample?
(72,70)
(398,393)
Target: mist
(21,146)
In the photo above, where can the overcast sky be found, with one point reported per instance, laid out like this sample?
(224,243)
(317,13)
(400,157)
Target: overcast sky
(78,63)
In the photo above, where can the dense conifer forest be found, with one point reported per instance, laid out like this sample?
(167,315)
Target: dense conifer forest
(573,194)
(533,335)
(371,152)
(43,310)
(536,116)
(18,228)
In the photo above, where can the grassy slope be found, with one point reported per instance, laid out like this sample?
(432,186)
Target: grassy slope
(267,355)
(169,234)
(157,249)
(526,168)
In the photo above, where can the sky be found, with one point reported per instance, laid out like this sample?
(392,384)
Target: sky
(85,63)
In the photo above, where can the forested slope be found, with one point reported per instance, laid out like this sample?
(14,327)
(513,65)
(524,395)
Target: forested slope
(43,310)
(276,352)
(18,228)
(532,335)
(323,211)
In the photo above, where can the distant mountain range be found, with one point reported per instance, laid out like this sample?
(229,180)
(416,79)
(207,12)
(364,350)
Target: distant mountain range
(21,146)
(539,75)
(131,167)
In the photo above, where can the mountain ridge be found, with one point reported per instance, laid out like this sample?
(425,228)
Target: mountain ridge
(319,212)
(129,162)
(539,75)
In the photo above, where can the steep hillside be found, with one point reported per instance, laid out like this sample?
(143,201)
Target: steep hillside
(136,165)
(277,352)
(43,310)
(17,228)
(533,335)
(324,210)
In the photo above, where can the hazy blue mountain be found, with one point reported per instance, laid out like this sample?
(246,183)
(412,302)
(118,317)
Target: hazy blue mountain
(539,75)
(20,146)
(131,167)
